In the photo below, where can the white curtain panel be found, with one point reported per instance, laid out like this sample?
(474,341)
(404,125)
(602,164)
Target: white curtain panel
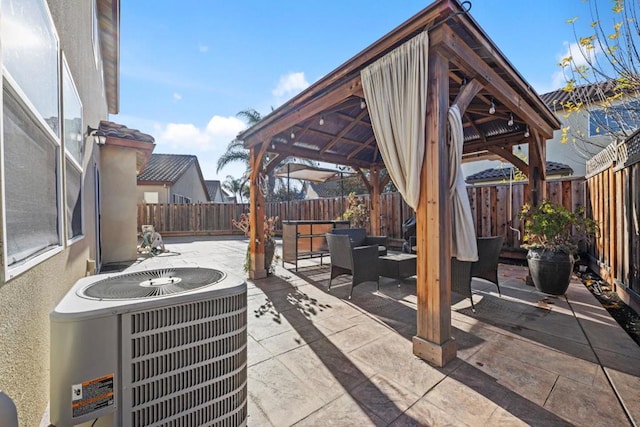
(463,242)
(395,89)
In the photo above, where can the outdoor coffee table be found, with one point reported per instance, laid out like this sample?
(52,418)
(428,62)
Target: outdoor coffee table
(397,266)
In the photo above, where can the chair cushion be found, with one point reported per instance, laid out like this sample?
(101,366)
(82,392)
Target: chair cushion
(356,235)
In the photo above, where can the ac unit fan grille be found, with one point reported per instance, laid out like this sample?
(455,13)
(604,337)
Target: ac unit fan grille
(187,363)
(152,283)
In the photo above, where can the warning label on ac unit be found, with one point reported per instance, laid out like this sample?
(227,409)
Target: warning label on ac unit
(92,395)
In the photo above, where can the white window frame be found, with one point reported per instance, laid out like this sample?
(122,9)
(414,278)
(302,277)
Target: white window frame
(70,158)
(12,86)
(151,195)
(179,199)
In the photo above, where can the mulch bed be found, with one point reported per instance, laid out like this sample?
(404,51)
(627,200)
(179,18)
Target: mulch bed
(621,312)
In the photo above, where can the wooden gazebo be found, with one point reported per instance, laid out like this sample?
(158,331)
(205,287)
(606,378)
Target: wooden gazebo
(330,122)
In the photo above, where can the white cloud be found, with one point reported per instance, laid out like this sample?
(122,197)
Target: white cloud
(207,143)
(177,96)
(290,85)
(203,48)
(214,137)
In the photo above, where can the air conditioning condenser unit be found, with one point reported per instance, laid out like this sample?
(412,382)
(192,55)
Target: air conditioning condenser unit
(163,347)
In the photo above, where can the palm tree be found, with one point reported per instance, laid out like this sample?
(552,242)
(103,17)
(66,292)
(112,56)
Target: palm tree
(234,186)
(237,153)
(235,150)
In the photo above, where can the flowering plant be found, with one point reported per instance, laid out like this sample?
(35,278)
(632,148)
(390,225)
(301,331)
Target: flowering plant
(269,234)
(554,227)
(357,213)
(269,226)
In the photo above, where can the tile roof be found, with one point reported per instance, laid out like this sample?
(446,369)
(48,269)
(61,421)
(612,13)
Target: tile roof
(217,193)
(166,167)
(553,168)
(213,188)
(588,93)
(115,130)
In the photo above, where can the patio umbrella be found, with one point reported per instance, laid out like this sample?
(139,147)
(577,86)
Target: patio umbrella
(312,173)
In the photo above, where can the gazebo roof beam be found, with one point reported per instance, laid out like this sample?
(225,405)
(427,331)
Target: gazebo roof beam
(500,141)
(465,58)
(344,131)
(305,153)
(470,123)
(367,144)
(322,102)
(510,157)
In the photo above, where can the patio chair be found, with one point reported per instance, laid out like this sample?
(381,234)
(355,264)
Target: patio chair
(485,268)
(360,262)
(358,237)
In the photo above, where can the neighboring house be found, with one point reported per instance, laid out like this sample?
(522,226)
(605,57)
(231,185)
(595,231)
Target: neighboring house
(573,152)
(61,190)
(505,174)
(322,190)
(172,178)
(217,194)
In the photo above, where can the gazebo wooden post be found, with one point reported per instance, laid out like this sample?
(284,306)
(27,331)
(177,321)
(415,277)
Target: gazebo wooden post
(257,269)
(374,179)
(433,341)
(537,169)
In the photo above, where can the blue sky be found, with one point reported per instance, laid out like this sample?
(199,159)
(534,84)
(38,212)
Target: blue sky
(187,67)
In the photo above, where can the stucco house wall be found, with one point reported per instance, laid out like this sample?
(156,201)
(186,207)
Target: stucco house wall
(27,299)
(119,221)
(163,191)
(190,185)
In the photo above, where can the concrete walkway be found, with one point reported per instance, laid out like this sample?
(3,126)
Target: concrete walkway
(318,359)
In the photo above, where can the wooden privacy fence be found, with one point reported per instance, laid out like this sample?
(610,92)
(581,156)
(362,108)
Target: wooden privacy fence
(495,211)
(613,200)
(191,219)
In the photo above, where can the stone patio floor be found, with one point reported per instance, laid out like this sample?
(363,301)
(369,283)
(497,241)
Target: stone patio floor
(318,359)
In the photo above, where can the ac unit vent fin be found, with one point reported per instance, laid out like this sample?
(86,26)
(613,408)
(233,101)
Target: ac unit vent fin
(152,283)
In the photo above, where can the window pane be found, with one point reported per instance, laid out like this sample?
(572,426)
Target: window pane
(74,200)
(615,119)
(30,54)
(151,197)
(72,113)
(31,176)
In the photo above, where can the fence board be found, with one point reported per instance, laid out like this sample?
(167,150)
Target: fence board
(494,208)
(613,201)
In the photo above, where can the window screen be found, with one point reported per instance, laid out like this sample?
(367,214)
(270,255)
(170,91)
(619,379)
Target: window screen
(31,189)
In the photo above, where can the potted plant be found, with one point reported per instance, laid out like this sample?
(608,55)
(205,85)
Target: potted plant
(553,234)
(269,239)
(357,213)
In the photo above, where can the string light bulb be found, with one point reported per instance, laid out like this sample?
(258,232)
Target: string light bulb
(492,107)
(526,132)
(510,122)
(363,105)
(321,120)
(293,135)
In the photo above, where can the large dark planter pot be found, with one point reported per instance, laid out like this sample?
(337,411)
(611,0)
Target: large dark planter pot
(550,271)
(269,252)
